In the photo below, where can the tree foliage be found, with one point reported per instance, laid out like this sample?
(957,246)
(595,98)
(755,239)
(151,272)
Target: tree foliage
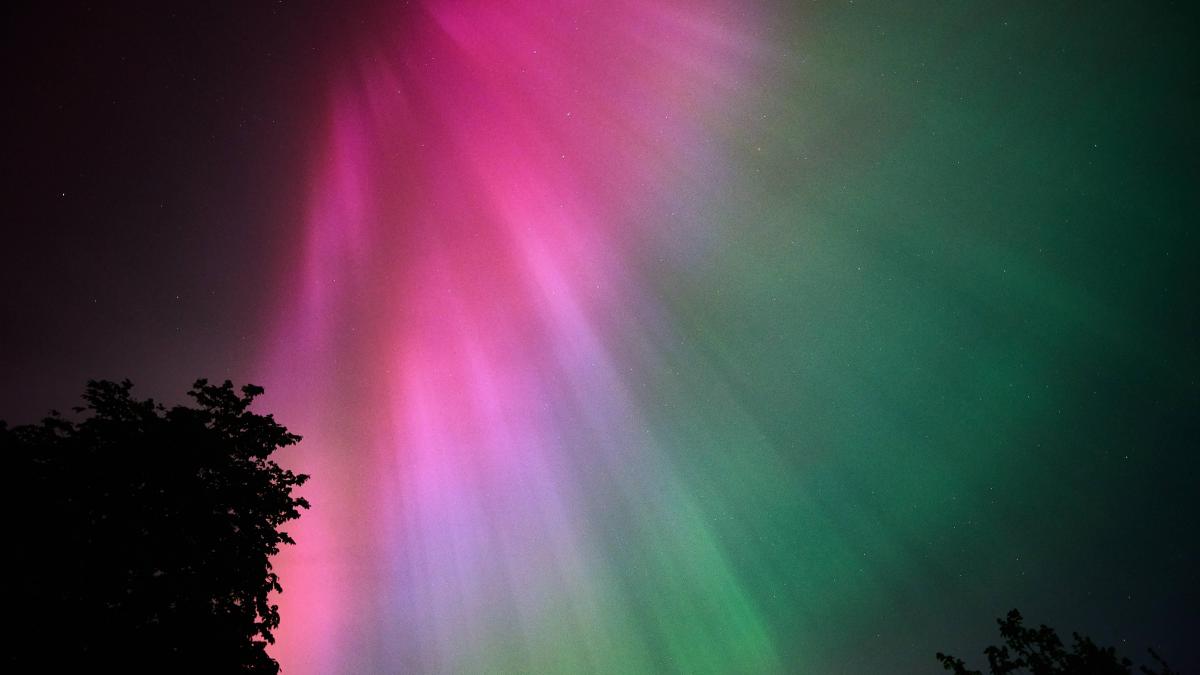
(144,534)
(1039,651)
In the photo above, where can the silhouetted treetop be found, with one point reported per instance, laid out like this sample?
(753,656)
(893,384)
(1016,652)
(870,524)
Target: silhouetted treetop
(1039,651)
(145,533)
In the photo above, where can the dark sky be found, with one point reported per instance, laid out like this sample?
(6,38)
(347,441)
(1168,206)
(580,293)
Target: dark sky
(151,155)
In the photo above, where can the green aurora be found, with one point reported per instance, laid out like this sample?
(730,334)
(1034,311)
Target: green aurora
(954,323)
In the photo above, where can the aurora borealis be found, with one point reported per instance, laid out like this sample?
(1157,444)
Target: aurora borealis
(651,336)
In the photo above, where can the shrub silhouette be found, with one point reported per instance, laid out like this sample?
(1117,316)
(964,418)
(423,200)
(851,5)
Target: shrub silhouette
(1039,651)
(144,534)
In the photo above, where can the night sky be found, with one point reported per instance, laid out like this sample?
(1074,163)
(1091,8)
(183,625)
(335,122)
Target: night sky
(646,336)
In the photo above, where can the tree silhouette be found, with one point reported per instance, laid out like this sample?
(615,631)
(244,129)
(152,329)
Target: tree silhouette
(144,534)
(1039,651)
